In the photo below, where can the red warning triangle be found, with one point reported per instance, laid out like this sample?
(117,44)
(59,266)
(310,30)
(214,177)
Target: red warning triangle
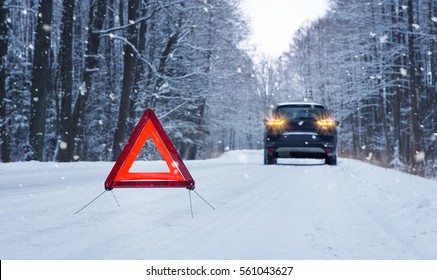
(178,175)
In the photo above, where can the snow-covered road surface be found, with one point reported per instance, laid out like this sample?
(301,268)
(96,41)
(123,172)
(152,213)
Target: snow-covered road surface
(298,209)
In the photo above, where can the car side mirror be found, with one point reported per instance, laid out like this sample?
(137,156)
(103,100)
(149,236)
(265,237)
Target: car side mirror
(337,123)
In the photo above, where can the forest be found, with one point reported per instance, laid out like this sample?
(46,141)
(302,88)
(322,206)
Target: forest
(79,74)
(374,64)
(76,76)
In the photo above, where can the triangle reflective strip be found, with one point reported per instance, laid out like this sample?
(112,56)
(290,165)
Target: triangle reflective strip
(178,175)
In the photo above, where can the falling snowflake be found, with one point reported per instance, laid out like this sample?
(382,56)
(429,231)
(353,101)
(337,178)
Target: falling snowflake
(82,89)
(403,71)
(47,27)
(63,145)
(419,156)
(369,157)
(383,39)
(434,19)
(415,25)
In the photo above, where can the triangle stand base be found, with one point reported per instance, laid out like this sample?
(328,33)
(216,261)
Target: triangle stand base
(89,203)
(191,204)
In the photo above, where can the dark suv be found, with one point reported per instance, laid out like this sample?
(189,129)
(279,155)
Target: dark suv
(300,130)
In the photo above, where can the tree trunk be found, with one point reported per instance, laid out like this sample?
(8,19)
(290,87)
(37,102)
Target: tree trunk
(5,155)
(139,71)
(40,73)
(199,123)
(96,18)
(130,60)
(432,11)
(171,42)
(414,94)
(66,81)
(395,100)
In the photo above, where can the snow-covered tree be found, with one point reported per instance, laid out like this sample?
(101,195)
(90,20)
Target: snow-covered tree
(102,63)
(373,64)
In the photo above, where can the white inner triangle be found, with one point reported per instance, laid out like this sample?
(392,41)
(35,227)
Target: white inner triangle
(149,160)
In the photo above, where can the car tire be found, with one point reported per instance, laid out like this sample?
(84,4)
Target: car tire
(269,159)
(332,160)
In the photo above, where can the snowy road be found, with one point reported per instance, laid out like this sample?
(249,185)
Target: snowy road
(298,209)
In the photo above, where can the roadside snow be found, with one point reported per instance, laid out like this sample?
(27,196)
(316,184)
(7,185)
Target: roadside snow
(298,209)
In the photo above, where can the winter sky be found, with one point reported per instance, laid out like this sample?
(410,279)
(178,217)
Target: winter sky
(273,22)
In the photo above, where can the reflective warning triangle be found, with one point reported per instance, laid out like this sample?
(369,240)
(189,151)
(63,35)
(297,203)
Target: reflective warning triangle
(178,175)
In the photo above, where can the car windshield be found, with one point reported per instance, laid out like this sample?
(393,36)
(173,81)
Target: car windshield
(300,112)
